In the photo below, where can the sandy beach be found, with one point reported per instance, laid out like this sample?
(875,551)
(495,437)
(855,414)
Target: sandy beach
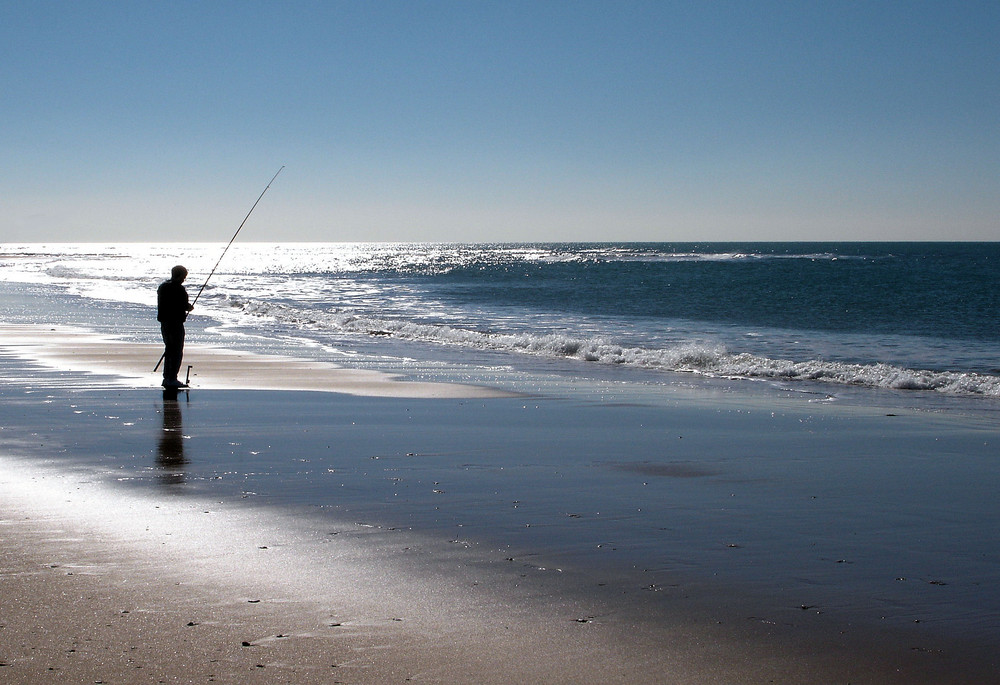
(76,350)
(289,521)
(500,343)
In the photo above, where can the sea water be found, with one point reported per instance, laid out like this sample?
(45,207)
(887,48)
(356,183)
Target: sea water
(852,462)
(921,317)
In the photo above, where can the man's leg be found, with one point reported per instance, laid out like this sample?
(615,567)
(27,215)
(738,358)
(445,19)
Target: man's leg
(173,342)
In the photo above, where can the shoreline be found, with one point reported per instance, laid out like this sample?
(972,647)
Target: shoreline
(78,350)
(99,499)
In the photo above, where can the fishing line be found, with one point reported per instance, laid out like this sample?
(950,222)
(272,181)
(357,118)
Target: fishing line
(200,290)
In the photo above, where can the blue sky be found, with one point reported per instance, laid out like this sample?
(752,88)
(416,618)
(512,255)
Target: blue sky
(497,121)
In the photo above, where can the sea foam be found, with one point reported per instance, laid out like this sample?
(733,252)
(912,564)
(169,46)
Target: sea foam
(685,357)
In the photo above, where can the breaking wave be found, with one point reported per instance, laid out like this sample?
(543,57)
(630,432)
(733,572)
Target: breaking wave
(707,360)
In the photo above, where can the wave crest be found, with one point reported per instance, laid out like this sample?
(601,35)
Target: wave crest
(707,360)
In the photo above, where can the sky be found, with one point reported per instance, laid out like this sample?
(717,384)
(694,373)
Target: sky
(499,121)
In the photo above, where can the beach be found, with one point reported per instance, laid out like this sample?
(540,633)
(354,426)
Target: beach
(639,343)
(261,530)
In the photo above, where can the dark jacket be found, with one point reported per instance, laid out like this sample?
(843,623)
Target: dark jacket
(171,302)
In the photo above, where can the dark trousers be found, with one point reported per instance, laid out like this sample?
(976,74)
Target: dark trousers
(173,343)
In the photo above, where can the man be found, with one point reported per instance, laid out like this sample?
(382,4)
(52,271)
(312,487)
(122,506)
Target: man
(172,308)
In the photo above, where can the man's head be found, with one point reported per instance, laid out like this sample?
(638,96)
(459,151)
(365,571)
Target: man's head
(178,273)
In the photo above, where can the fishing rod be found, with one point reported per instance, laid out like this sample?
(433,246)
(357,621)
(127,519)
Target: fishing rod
(200,290)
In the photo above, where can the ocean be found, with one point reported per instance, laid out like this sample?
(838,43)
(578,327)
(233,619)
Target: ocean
(813,424)
(822,317)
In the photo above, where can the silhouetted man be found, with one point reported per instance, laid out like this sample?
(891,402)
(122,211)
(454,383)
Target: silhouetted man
(172,308)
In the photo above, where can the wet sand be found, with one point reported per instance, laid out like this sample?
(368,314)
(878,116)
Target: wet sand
(117,573)
(76,350)
(103,587)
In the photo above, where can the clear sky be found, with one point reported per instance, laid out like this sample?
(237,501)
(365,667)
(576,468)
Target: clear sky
(500,121)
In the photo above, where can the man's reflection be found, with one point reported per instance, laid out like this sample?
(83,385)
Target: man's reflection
(170,451)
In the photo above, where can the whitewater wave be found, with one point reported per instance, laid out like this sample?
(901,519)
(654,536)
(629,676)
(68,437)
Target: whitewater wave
(626,254)
(707,360)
